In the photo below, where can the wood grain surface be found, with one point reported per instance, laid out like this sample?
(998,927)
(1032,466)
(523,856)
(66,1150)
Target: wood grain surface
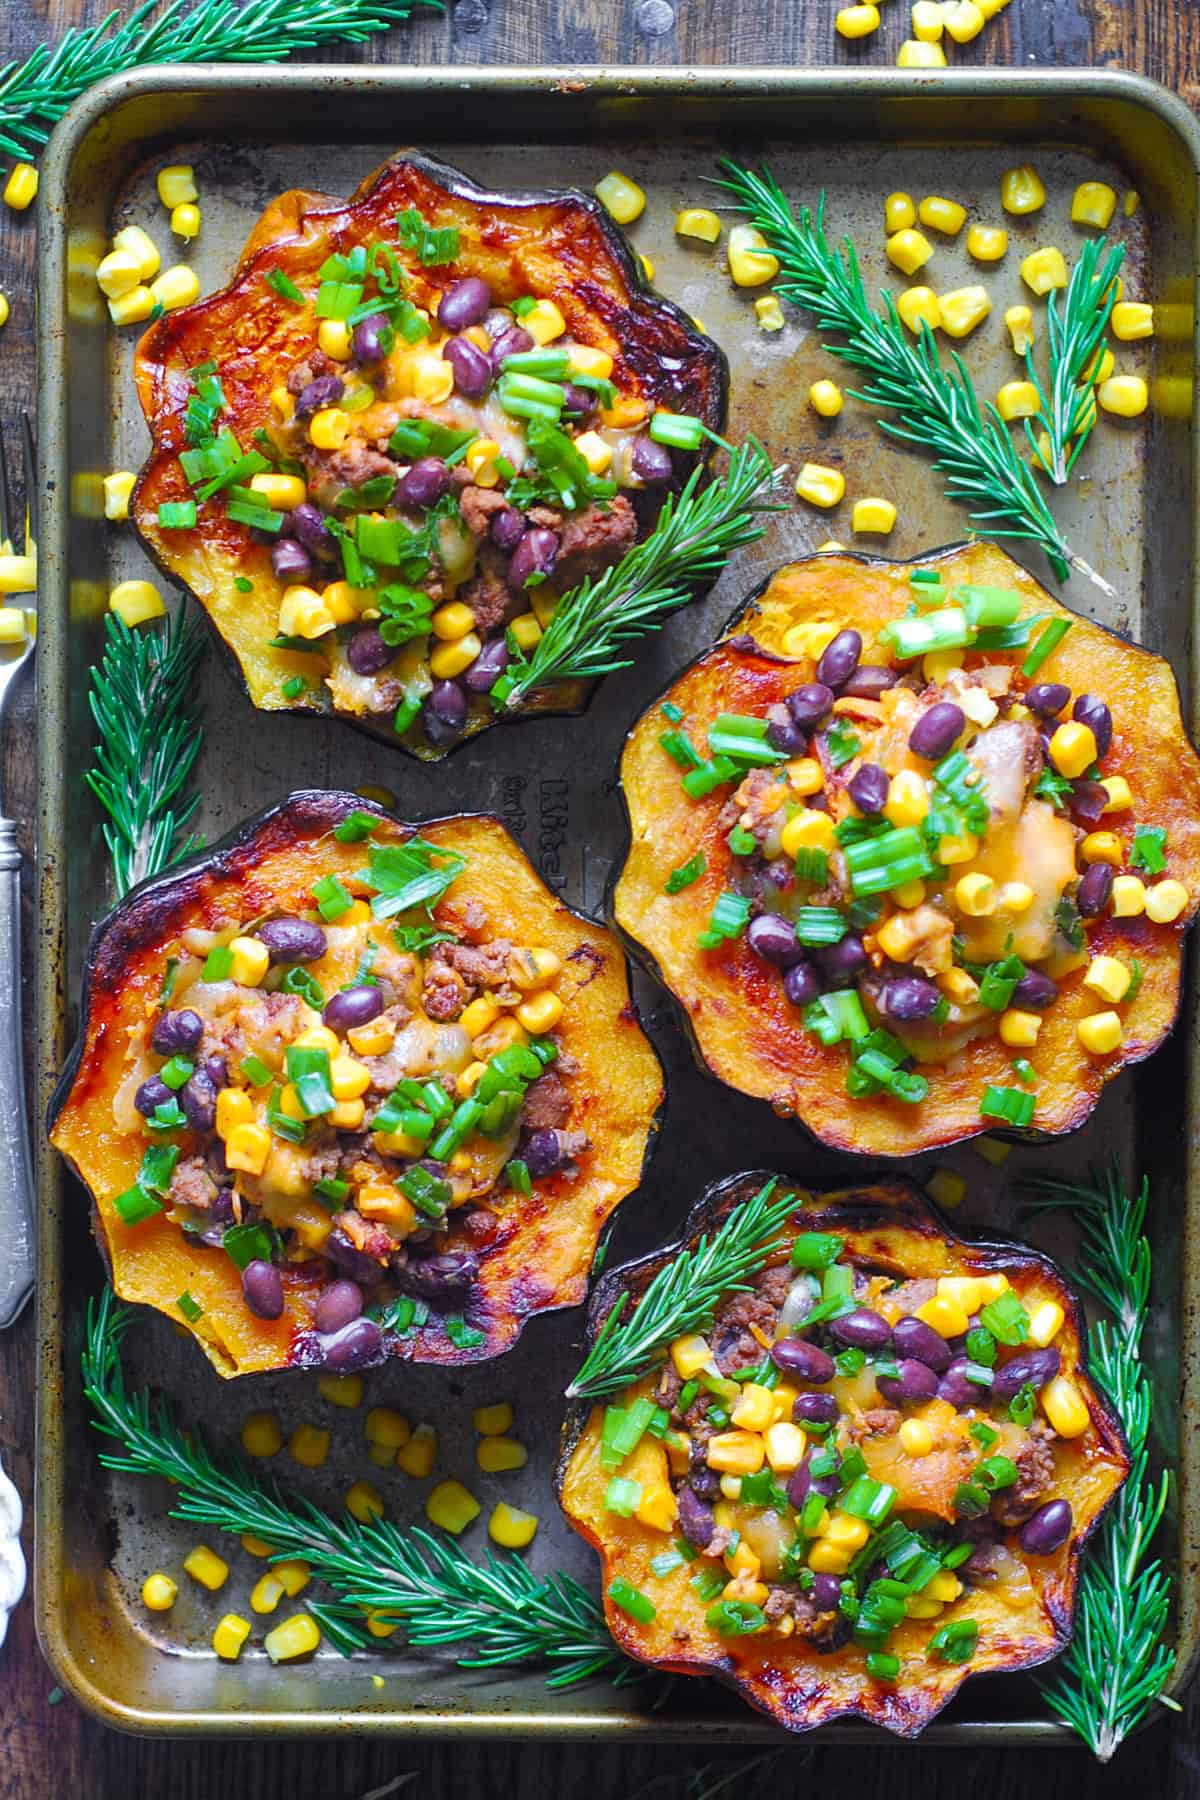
(47,1746)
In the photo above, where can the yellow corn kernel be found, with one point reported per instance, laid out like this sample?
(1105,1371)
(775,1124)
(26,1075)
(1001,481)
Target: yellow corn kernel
(698,222)
(927,28)
(540,1013)
(526,630)
(117,489)
(908,251)
(1132,319)
(133,241)
(344,604)
(827,1558)
(993,1150)
(805,776)
(585,359)
(958,986)
(294,1576)
(754,1408)
(908,894)
(364,1502)
(736,1452)
(250,961)
(908,799)
(478,1015)
(808,830)
(309,1446)
(419,1454)
(769,313)
(1019,320)
(1093,203)
(987,243)
(856,21)
(1103,846)
(261,1435)
(176,184)
(621,198)
(348,1078)
(118,275)
(206,1567)
(750,262)
(916,1439)
(918,306)
(379,1199)
(372,1039)
(185,222)
(229,1636)
(742,1561)
(21,187)
(452,1506)
(449,660)
(1125,395)
(282,403)
(280,492)
(947,1187)
(1165,901)
(497,1454)
(255,1546)
(544,322)
(1100,1034)
(381,1625)
(946,216)
(295,1637)
(341,1390)
(1044,269)
(178,286)
(944,1315)
(920,1606)
(819,485)
(1021,191)
(1019,1030)
(1016,897)
(1065,1407)
(432,379)
(388,1428)
(334,337)
(468,1079)
(785,1446)
(1045,1323)
(1119,797)
(964,21)
(657,1507)
(1073,749)
(1128,897)
(1018,400)
(873,514)
(247,1148)
(510,1527)
(955,848)
(690,1355)
(595,451)
(975,895)
(532,967)
(329,428)
(500,1036)
(159,1592)
(493,1421)
(899,213)
(319,1037)
(913,54)
(846,1531)
(825,397)
(964,309)
(647,266)
(135,602)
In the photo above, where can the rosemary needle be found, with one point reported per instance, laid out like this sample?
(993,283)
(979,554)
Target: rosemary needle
(1073,337)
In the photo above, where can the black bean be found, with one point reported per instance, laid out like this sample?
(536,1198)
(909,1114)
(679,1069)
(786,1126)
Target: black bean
(1048,1529)
(152,1094)
(908,998)
(473,369)
(913,1338)
(839,963)
(198,1098)
(773,937)
(373,338)
(424,484)
(810,704)
(697,1520)
(290,561)
(465,303)
(340,1302)
(326,390)
(1046,698)
(1087,802)
(367,653)
(217,1070)
(348,1257)
(352,1007)
(293,940)
(862,1329)
(447,1277)
(915,1381)
(177,1033)
(535,554)
(1095,890)
(801,984)
(353,1347)
(868,681)
(306,522)
(825,1593)
(509,343)
(507,528)
(796,1356)
(448,703)
(488,667)
(935,731)
(542,1153)
(650,462)
(578,402)
(1035,991)
(955,1386)
(1036,1367)
(868,788)
(815,1409)
(262,1287)
(1091,711)
(839,659)
(783,733)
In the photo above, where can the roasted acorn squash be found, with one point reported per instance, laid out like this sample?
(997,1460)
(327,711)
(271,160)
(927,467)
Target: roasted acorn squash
(276,360)
(949,1512)
(1051,846)
(197,988)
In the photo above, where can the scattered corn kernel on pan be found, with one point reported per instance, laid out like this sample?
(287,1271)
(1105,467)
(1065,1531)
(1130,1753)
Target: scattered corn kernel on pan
(250,134)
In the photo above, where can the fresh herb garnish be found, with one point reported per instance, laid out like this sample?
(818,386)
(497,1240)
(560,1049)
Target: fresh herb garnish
(415,873)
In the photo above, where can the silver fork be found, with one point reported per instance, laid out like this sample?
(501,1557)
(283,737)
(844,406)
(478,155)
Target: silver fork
(16,1169)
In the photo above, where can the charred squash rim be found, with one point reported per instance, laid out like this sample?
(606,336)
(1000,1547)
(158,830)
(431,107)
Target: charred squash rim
(762,1677)
(880,1126)
(667,356)
(539,1263)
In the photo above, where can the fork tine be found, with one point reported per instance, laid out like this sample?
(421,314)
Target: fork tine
(29,475)
(6,540)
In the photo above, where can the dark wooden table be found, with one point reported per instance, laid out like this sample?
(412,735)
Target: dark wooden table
(47,1746)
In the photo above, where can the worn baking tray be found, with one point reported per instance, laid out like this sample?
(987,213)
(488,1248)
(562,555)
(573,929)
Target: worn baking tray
(250,133)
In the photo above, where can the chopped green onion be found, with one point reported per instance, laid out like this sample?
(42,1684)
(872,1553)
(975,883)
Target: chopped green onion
(283,285)
(135,1205)
(177,515)
(686,873)
(331,898)
(983,1434)
(1024,1070)
(996,1472)
(819,925)
(331,1187)
(191,1309)
(672,712)
(1047,642)
(956,1642)
(462,1335)
(681,750)
(981,1346)
(293,687)
(815,1250)
(868,1499)
(666,1562)
(925,577)
(947,629)
(681,431)
(837,1016)
(970,1500)
(355,827)
(308,1072)
(987,608)
(735,1618)
(1006,1319)
(698,783)
(883,1666)
(245,1244)
(1023,1404)
(299,981)
(999,982)
(1149,845)
(434,246)
(841,743)
(1009,1104)
(812,865)
(518,1176)
(727,921)
(876,864)
(177,1071)
(631,1600)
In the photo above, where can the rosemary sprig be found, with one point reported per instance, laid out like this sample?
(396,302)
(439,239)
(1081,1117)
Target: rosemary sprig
(692,540)
(1073,336)
(148,736)
(493,1612)
(1117,1665)
(934,406)
(682,1296)
(36,93)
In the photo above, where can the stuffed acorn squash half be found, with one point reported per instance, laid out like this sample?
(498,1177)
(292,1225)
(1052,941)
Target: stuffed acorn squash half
(915,848)
(412,420)
(870,1478)
(346,1089)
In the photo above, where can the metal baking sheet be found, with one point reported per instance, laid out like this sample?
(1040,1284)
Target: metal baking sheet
(857,134)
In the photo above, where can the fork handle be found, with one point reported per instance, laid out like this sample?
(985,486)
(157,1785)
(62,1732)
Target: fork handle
(16,1170)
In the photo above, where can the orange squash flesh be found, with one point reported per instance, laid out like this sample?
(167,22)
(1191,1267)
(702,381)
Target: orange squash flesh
(557,245)
(745,1030)
(890,1229)
(540,1254)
